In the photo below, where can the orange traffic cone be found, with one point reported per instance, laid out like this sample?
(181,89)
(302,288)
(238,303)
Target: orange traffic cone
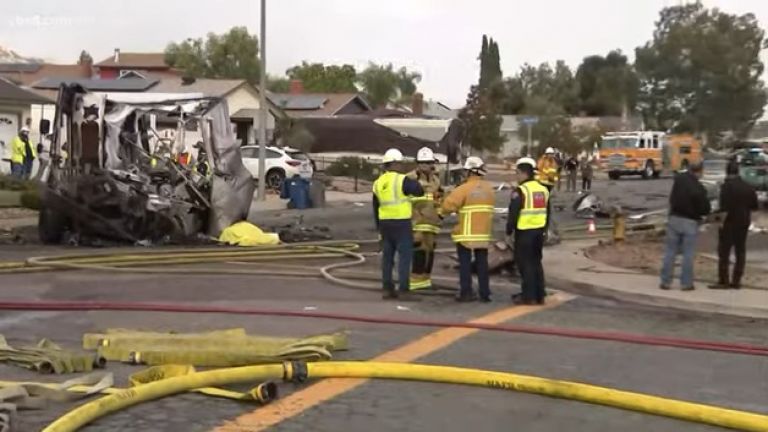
(591,226)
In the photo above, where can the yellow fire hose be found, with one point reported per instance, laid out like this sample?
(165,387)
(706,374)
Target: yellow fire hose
(299,372)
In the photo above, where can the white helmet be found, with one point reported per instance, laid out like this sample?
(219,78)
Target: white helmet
(549,150)
(24,129)
(526,161)
(392,155)
(474,163)
(425,155)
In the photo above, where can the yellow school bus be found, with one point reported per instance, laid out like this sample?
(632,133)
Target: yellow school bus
(647,153)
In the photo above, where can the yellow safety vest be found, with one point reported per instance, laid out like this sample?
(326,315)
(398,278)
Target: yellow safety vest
(19,150)
(393,203)
(533,215)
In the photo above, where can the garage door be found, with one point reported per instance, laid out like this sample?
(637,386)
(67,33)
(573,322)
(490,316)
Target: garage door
(9,127)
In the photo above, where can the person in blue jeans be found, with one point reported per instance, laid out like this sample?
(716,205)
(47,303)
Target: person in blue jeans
(392,212)
(688,204)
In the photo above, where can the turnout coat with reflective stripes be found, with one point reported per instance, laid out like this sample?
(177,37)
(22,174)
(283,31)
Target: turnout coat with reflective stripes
(425,208)
(473,201)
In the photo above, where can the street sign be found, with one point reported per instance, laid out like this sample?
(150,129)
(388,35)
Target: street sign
(530,120)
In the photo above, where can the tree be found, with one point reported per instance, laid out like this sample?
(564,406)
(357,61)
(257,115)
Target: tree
(383,84)
(278,84)
(538,85)
(701,72)
(85,58)
(318,78)
(233,55)
(481,113)
(607,85)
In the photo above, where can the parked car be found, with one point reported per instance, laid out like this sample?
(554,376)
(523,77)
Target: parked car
(280,163)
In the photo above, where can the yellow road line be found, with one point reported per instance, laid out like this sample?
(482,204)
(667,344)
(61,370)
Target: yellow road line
(315,394)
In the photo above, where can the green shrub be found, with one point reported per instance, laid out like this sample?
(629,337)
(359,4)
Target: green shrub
(350,166)
(13,184)
(31,199)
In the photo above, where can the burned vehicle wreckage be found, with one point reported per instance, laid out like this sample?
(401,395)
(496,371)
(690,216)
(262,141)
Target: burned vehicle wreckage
(114,176)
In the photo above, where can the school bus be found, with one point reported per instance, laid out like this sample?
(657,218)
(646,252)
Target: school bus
(647,153)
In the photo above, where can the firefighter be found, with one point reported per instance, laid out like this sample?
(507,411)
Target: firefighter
(548,169)
(23,154)
(473,201)
(392,211)
(527,222)
(426,221)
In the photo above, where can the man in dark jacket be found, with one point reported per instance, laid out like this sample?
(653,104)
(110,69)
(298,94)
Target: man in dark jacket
(737,200)
(688,204)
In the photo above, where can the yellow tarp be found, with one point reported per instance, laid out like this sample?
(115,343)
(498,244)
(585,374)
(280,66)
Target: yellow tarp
(247,234)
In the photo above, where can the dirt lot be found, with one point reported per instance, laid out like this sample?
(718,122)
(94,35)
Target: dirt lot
(646,255)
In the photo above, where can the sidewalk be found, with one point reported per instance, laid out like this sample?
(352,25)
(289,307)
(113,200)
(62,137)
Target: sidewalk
(569,270)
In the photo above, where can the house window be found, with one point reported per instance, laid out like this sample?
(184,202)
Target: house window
(128,74)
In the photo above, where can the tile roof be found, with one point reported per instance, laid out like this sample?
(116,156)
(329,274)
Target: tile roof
(13,93)
(206,86)
(136,60)
(314,104)
(28,74)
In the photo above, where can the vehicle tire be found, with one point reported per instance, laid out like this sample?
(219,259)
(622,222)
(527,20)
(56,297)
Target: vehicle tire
(274,178)
(51,225)
(614,175)
(648,170)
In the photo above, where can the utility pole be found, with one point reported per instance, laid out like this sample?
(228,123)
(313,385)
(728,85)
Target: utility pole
(263,105)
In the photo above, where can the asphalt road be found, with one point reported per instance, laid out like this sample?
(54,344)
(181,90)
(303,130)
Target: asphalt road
(729,380)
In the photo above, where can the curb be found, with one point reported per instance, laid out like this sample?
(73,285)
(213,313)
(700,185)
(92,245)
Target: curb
(590,290)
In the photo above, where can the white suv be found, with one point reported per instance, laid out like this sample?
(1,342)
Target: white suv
(281,163)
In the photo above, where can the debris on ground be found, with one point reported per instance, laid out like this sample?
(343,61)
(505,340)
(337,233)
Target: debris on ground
(298,232)
(132,184)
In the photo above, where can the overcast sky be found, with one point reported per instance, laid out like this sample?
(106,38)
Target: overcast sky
(438,38)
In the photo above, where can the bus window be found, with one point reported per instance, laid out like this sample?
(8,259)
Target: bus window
(655,141)
(642,143)
(686,150)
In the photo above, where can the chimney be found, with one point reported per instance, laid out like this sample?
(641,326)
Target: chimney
(417,104)
(117,55)
(296,87)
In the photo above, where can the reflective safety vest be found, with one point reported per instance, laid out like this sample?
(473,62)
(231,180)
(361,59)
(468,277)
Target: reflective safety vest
(393,203)
(533,215)
(425,216)
(19,150)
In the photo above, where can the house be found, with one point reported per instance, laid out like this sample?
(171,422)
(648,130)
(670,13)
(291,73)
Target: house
(16,106)
(242,99)
(513,145)
(134,65)
(298,104)
(28,73)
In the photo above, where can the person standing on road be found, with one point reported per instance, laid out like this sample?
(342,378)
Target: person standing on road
(572,168)
(392,211)
(23,155)
(737,199)
(473,201)
(548,169)
(587,172)
(527,222)
(688,204)
(426,220)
